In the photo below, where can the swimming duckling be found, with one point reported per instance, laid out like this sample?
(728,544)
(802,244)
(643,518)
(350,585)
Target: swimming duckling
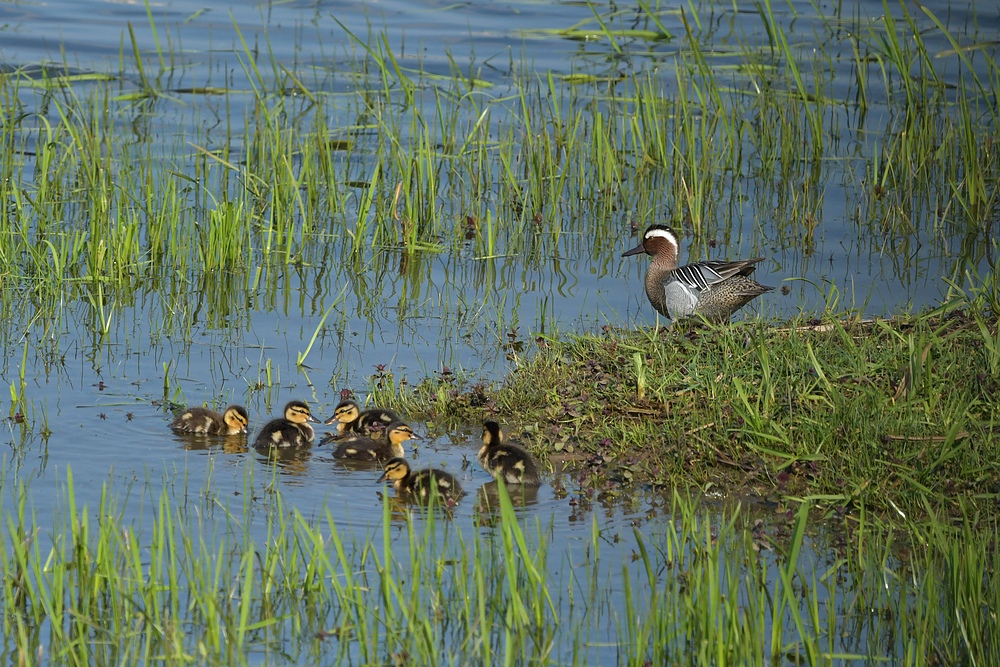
(363,448)
(506,460)
(291,430)
(372,422)
(422,483)
(203,421)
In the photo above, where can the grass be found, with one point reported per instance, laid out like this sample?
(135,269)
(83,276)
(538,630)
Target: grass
(199,579)
(481,179)
(897,413)
(438,155)
(876,439)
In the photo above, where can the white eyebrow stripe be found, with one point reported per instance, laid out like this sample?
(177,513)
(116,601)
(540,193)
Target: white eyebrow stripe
(663,234)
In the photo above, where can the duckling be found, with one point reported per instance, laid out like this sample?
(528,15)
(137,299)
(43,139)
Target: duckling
(714,289)
(203,421)
(350,418)
(291,430)
(363,448)
(422,483)
(506,460)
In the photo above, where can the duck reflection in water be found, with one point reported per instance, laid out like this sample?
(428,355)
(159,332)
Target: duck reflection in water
(228,444)
(292,461)
(521,495)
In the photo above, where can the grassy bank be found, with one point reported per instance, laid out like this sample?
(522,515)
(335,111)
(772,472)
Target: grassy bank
(902,413)
(205,581)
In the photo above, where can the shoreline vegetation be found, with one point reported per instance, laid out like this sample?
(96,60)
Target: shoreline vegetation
(202,580)
(316,192)
(901,413)
(407,167)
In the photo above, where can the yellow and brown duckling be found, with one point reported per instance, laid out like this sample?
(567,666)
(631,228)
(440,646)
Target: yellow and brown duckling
(203,421)
(364,448)
(290,430)
(506,460)
(372,422)
(420,484)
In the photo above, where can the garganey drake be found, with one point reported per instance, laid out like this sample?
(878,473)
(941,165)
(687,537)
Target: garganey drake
(714,289)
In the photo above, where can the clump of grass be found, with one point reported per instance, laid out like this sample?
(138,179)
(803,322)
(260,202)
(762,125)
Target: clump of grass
(519,168)
(228,583)
(900,410)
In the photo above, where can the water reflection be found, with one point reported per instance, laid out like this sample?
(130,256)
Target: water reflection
(374,468)
(227,444)
(404,508)
(521,497)
(288,461)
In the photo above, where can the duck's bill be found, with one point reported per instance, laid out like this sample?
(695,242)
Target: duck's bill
(634,251)
(328,438)
(380,479)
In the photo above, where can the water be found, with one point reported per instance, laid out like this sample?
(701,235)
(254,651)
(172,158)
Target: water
(104,402)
